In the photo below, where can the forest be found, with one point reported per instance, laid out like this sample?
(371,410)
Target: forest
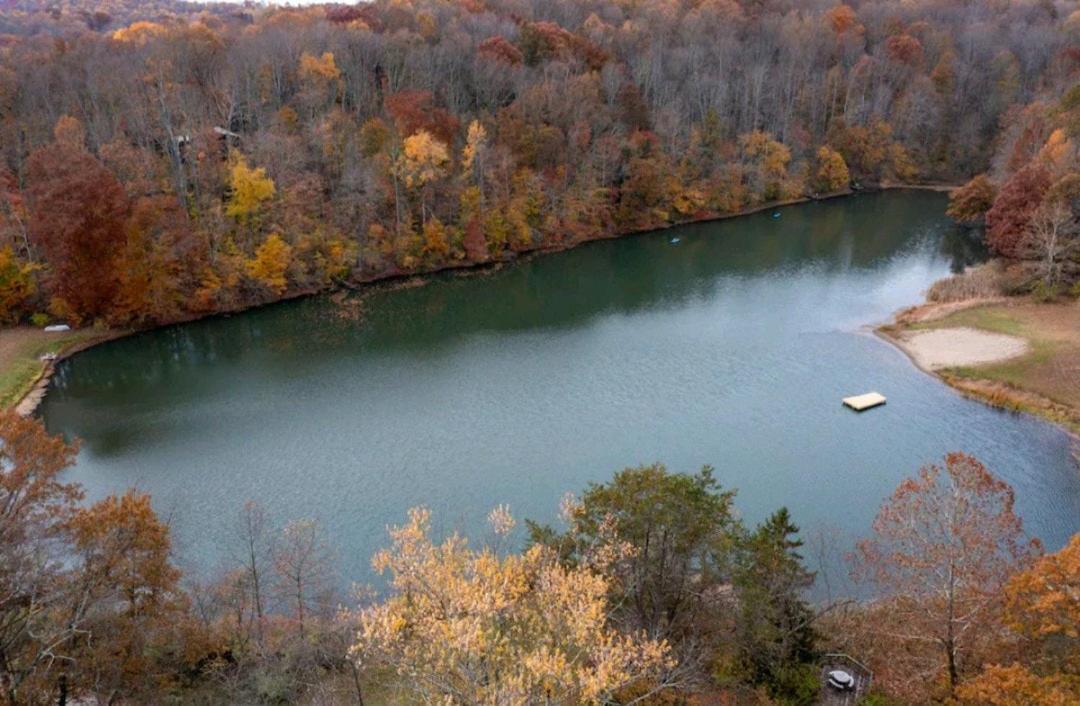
(162,161)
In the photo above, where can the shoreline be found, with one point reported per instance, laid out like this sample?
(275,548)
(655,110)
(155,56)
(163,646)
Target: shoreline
(993,393)
(28,402)
(26,405)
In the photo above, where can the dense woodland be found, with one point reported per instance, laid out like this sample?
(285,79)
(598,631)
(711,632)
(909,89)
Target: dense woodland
(162,160)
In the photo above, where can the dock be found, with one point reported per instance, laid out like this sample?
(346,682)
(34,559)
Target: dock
(863,402)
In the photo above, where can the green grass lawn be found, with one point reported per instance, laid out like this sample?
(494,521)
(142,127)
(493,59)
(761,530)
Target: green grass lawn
(20,356)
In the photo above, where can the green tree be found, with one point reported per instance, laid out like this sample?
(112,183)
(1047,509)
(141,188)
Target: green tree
(682,534)
(775,624)
(17,285)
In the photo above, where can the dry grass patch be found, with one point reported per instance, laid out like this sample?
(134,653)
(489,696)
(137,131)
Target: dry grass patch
(985,281)
(1052,367)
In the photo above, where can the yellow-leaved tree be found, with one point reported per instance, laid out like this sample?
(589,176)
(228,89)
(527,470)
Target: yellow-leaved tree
(270,263)
(832,172)
(17,285)
(314,68)
(474,154)
(250,187)
(423,160)
(472,627)
(767,162)
(320,79)
(139,33)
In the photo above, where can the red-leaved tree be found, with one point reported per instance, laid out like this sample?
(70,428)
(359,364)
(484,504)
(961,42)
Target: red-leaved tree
(77,214)
(1007,220)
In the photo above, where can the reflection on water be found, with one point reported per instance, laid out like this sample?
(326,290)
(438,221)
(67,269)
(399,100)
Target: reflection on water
(732,348)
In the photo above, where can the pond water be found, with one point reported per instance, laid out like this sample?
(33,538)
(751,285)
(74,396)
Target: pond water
(731,347)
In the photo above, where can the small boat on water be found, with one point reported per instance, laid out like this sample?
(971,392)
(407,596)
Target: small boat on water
(675,241)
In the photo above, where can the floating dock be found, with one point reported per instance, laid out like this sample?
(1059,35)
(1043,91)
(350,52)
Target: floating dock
(864,402)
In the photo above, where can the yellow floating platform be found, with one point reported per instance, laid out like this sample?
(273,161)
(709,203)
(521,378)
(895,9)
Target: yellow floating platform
(864,402)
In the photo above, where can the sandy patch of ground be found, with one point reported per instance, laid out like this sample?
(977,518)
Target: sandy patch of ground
(939,348)
(1044,380)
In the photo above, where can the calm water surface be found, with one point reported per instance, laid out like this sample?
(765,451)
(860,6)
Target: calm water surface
(732,348)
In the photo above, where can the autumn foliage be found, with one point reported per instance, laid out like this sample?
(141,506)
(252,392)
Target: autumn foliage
(77,213)
(1042,610)
(655,593)
(140,187)
(514,629)
(1030,202)
(970,202)
(945,545)
(1008,219)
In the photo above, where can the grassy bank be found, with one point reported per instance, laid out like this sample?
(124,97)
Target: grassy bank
(1043,381)
(21,350)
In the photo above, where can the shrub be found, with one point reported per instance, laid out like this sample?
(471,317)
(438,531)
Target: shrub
(979,282)
(798,685)
(1045,292)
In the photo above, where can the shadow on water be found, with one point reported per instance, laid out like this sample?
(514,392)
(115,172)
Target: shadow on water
(551,292)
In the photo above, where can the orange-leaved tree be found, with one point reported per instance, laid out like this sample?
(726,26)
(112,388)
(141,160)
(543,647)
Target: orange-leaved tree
(89,600)
(970,202)
(35,504)
(1042,607)
(944,546)
(832,172)
(134,606)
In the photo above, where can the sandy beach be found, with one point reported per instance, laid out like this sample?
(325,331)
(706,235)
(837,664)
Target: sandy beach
(935,349)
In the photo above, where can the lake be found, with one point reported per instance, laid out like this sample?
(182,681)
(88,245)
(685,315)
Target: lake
(731,347)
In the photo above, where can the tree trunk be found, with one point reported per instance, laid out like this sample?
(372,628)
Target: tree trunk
(356,683)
